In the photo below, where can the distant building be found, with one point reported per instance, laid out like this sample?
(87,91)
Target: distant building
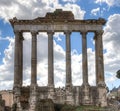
(2,104)
(7,96)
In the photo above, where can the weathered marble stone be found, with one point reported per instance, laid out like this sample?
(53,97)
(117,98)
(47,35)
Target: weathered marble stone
(45,105)
(58,21)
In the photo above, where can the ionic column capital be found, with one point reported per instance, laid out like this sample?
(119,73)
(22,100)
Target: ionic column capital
(83,32)
(19,34)
(50,32)
(34,33)
(17,31)
(99,32)
(67,32)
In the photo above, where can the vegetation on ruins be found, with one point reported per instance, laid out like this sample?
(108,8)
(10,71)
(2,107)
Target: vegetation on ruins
(14,107)
(118,74)
(81,108)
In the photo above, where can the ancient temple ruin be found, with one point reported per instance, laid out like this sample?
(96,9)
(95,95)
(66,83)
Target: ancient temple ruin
(58,21)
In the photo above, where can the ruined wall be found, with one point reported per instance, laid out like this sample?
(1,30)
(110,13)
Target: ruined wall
(73,96)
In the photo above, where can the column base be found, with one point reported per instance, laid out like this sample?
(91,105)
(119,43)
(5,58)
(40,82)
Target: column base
(101,84)
(51,93)
(102,92)
(19,108)
(86,94)
(69,96)
(16,96)
(68,85)
(17,90)
(51,86)
(77,96)
(33,97)
(33,85)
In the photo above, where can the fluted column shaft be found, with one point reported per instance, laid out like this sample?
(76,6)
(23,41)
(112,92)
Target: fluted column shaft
(34,59)
(68,60)
(21,58)
(50,60)
(99,57)
(17,59)
(96,58)
(84,59)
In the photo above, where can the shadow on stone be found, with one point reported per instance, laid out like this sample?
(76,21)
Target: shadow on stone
(68,108)
(58,107)
(45,105)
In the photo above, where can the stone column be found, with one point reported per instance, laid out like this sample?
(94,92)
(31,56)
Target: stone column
(33,88)
(17,70)
(34,59)
(99,58)
(21,58)
(50,60)
(101,89)
(84,59)
(17,59)
(85,85)
(51,94)
(96,58)
(69,91)
(68,60)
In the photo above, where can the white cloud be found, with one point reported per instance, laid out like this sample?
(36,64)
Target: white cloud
(98,11)
(109,2)
(32,9)
(77,11)
(58,35)
(6,69)
(73,1)
(6,38)
(111,44)
(0,33)
(95,11)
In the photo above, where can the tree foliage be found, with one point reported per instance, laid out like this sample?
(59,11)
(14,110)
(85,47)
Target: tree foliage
(118,74)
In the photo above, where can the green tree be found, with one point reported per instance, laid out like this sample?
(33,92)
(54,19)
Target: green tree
(118,74)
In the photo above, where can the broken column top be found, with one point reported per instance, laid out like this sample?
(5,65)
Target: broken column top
(60,14)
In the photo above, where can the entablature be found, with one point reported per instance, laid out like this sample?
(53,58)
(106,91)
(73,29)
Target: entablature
(58,21)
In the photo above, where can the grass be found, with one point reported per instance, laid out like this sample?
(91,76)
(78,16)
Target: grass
(90,108)
(80,108)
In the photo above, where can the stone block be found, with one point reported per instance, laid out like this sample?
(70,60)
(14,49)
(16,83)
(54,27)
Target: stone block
(45,105)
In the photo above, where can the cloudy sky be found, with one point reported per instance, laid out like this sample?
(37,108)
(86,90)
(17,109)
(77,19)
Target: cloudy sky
(82,9)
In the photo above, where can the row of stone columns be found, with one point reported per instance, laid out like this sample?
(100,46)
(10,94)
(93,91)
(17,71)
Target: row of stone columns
(18,76)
